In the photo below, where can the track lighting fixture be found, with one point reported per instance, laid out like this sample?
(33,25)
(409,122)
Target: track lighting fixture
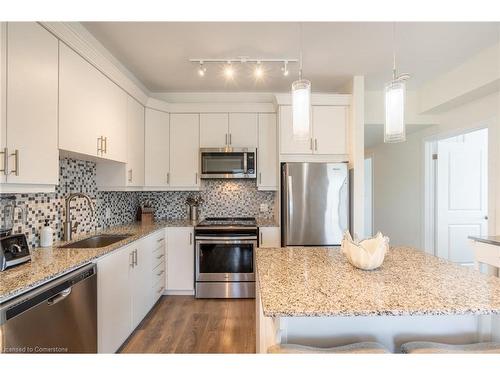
(284,69)
(259,71)
(202,70)
(229,71)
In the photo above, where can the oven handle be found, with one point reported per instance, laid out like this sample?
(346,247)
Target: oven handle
(232,239)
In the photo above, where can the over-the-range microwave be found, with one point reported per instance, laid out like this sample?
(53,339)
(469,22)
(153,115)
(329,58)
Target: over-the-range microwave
(228,162)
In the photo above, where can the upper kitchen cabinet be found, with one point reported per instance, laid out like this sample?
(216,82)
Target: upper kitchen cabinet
(135,142)
(330,129)
(243,130)
(267,153)
(29,105)
(92,110)
(289,144)
(184,151)
(214,130)
(157,148)
(228,130)
(328,135)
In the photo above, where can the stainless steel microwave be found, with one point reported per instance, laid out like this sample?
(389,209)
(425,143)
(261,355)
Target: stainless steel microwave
(228,162)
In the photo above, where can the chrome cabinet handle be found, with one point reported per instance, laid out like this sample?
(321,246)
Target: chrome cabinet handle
(196,177)
(59,297)
(260,177)
(161,273)
(15,171)
(190,238)
(311,144)
(316,144)
(132,259)
(99,146)
(105,145)
(5,154)
(135,257)
(161,256)
(168,178)
(230,138)
(261,238)
(226,140)
(130,175)
(160,239)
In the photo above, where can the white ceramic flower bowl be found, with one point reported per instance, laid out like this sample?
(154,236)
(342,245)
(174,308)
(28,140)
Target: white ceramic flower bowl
(368,254)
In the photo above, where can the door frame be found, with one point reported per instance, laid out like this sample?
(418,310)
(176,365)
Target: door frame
(429,145)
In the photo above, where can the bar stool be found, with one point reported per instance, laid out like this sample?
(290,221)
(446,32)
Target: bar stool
(356,348)
(424,347)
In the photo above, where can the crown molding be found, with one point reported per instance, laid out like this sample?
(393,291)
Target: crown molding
(317,99)
(81,41)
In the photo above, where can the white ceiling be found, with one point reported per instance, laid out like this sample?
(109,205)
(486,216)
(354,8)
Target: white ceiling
(157,52)
(374,134)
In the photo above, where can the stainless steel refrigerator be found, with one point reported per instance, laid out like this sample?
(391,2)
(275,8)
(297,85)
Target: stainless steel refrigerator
(314,203)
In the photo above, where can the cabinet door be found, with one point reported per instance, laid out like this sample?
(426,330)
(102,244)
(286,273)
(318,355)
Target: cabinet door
(32,74)
(213,129)
(114,312)
(135,143)
(289,144)
(157,151)
(267,158)
(184,150)
(141,281)
(243,130)
(269,237)
(180,266)
(90,106)
(330,129)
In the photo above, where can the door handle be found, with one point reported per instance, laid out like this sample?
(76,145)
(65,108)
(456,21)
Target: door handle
(15,171)
(5,154)
(59,297)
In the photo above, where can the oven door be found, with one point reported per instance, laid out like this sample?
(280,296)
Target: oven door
(232,163)
(225,259)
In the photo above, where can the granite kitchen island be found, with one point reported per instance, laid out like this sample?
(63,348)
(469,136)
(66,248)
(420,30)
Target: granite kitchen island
(313,296)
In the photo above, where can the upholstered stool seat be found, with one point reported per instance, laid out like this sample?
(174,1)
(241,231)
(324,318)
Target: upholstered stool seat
(357,348)
(423,347)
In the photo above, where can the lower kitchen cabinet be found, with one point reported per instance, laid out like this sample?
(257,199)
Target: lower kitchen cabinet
(180,268)
(114,312)
(127,289)
(269,237)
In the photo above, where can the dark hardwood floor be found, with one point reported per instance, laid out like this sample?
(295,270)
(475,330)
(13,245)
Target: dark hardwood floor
(182,324)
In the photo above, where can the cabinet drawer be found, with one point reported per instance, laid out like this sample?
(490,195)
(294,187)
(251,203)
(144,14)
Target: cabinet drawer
(158,289)
(159,273)
(158,257)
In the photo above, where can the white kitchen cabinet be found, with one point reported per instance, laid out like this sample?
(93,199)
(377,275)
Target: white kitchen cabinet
(330,129)
(157,149)
(267,153)
(135,142)
(288,143)
(180,265)
(243,130)
(29,130)
(328,133)
(214,131)
(269,237)
(114,295)
(140,281)
(184,150)
(92,109)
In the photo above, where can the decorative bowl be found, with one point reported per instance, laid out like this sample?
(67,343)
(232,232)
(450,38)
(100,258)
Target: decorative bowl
(367,254)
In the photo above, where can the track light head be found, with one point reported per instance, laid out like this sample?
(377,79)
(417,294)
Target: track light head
(202,70)
(259,71)
(284,69)
(229,70)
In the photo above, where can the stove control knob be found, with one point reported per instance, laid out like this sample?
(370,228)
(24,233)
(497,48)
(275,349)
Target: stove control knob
(16,248)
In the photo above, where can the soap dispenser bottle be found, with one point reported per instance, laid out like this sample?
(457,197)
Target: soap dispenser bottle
(47,235)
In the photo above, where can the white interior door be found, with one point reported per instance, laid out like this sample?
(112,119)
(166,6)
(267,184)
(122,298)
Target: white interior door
(462,194)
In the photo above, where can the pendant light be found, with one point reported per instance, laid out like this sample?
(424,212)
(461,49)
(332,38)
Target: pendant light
(395,96)
(301,103)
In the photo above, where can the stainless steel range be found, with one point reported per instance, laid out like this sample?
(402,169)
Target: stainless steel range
(224,258)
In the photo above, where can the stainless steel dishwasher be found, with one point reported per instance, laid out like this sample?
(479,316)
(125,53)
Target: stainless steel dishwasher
(57,317)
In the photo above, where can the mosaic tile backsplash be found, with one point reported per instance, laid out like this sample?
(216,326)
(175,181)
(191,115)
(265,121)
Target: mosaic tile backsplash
(220,198)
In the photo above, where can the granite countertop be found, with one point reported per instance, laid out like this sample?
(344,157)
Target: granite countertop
(492,240)
(50,262)
(321,282)
(267,222)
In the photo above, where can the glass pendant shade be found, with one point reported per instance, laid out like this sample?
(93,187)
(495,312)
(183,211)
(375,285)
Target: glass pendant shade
(301,109)
(394,127)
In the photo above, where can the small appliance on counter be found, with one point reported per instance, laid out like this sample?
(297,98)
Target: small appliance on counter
(14,248)
(145,213)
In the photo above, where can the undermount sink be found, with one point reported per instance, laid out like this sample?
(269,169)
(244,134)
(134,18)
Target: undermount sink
(93,242)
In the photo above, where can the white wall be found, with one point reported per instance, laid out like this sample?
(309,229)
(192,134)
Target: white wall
(399,171)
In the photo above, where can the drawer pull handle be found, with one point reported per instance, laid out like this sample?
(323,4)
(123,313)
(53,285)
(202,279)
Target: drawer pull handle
(160,239)
(161,273)
(161,256)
